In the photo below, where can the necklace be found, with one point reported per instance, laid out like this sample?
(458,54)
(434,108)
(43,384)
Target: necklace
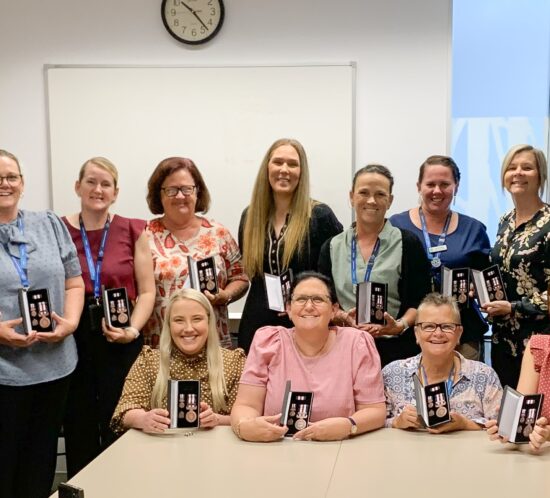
(318,353)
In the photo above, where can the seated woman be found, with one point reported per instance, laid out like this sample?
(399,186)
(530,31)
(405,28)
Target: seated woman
(475,390)
(339,365)
(534,378)
(189,350)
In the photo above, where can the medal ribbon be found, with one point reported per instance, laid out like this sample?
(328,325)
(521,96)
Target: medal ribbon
(370,264)
(442,236)
(95,270)
(21,263)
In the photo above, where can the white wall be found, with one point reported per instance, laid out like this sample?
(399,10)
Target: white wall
(402,50)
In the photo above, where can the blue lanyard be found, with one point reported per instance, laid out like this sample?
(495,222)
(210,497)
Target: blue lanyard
(442,236)
(370,264)
(95,270)
(21,263)
(449,379)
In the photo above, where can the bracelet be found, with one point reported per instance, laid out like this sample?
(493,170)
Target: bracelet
(134,331)
(237,427)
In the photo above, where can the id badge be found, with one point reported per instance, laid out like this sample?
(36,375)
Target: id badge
(95,314)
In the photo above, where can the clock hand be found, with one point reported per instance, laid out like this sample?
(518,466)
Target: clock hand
(194,13)
(200,20)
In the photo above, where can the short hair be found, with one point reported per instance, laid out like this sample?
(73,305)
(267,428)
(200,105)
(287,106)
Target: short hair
(373,168)
(5,153)
(540,161)
(308,275)
(438,160)
(104,164)
(164,169)
(436,299)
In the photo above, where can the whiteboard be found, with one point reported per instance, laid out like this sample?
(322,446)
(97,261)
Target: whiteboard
(223,118)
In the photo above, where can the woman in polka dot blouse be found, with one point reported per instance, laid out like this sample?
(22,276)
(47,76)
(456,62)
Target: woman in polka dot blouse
(189,350)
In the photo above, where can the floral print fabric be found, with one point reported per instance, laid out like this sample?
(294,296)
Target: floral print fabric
(171,271)
(523,256)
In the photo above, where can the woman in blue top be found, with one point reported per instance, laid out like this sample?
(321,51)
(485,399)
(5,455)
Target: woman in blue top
(36,252)
(462,240)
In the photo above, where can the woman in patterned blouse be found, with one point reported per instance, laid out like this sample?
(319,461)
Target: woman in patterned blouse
(522,252)
(189,350)
(177,190)
(473,388)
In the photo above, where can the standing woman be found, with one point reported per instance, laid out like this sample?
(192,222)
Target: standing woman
(522,250)
(281,229)
(372,249)
(450,239)
(177,191)
(113,252)
(36,252)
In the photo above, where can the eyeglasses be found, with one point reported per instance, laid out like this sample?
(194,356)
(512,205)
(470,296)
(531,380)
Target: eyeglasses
(185,190)
(316,300)
(430,327)
(12,180)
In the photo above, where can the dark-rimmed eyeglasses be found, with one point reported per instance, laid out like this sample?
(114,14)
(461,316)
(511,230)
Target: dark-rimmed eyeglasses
(316,300)
(430,327)
(185,190)
(12,180)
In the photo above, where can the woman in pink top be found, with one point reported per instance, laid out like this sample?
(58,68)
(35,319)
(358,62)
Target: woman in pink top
(534,378)
(339,365)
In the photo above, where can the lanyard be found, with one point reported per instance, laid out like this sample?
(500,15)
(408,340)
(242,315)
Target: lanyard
(20,263)
(433,256)
(370,264)
(95,270)
(449,379)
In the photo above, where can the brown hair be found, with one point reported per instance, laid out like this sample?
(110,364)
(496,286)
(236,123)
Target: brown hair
(165,169)
(436,160)
(373,168)
(262,206)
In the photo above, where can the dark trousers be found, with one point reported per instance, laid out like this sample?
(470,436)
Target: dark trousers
(95,389)
(505,365)
(30,421)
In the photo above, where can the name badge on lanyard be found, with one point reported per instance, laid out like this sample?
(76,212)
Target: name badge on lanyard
(434,252)
(94,269)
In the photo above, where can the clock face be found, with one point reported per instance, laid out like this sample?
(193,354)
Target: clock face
(192,21)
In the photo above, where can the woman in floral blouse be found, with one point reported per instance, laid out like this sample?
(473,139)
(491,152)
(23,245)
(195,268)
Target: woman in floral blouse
(177,191)
(522,252)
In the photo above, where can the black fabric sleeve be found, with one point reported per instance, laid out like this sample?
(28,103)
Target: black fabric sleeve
(325,263)
(241,228)
(324,225)
(414,283)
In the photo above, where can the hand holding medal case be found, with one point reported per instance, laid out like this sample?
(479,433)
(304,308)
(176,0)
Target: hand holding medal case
(203,275)
(489,285)
(116,307)
(518,415)
(184,404)
(432,402)
(371,301)
(36,310)
(456,283)
(277,288)
(296,410)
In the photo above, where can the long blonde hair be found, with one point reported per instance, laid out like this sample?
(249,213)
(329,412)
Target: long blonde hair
(214,356)
(262,206)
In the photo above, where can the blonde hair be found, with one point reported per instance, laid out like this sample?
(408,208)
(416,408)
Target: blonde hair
(5,153)
(540,161)
(104,164)
(262,206)
(214,356)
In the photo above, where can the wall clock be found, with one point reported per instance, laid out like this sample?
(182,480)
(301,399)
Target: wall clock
(193,21)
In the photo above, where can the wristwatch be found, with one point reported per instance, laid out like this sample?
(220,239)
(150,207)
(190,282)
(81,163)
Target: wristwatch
(353,428)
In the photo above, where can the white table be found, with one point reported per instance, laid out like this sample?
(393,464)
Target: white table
(385,463)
